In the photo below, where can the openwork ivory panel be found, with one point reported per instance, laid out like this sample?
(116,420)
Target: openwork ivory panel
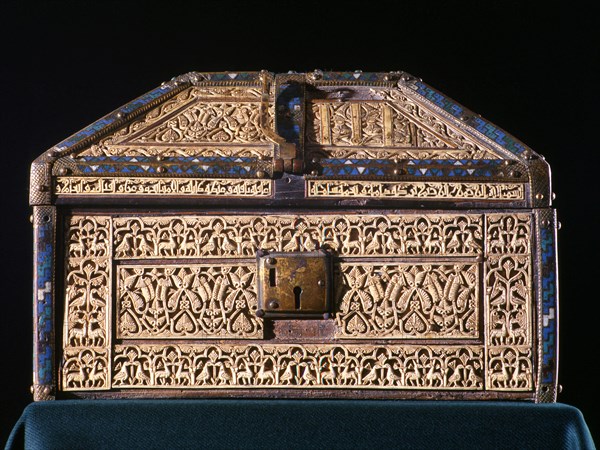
(191,279)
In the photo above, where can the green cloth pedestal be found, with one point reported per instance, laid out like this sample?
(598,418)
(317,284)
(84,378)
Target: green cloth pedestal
(288,424)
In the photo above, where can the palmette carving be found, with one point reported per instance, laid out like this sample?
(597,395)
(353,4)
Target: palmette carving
(192,301)
(195,112)
(508,234)
(298,366)
(87,295)
(510,369)
(85,368)
(209,122)
(509,299)
(346,235)
(407,301)
(87,303)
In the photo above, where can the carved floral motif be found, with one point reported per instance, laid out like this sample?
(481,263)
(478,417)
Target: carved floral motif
(198,301)
(298,366)
(346,235)
(407,300)
(510,369)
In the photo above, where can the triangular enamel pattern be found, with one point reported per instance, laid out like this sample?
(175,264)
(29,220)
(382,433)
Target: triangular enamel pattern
(181,127)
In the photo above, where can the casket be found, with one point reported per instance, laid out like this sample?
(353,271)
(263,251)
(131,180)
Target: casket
(322,234)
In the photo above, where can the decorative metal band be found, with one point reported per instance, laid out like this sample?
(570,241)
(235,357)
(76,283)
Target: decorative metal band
(207,166)
(347,235)
(416,190)
(298,366)
(191,301)
(162,186)
(548,293)
(44,223)
(423,168)
(405,300)
(494,133)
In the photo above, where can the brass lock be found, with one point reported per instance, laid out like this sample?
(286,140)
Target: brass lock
(294,285)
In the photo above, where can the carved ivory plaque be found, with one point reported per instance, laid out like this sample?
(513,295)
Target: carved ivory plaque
(328,234)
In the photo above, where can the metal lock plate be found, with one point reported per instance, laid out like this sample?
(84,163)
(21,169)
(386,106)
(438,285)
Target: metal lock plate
(294,285)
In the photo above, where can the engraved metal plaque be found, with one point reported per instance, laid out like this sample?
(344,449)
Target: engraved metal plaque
(328,234)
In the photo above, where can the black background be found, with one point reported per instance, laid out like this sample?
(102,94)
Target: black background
(529,69)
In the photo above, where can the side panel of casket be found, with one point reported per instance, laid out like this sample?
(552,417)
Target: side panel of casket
(421,301)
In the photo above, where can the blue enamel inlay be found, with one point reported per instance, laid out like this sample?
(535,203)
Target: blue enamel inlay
(413,167)
(289,107)
(44,306)
(353,76)
(112,118)
(228,76)
(497,135)
(183,165)
(481,125)
(549,311)
(440,100)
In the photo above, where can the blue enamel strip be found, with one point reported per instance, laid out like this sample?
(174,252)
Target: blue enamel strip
(549,312)
(45,255)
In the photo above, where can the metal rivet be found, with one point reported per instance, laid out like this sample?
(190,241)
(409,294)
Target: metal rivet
(315,160)
(321,283)
(396,171)
(159,158)
(260,173)
(260,313)
(63,171)
(46,390)
(42,188)
(553,196)
(546,223)
(31,388)
(560,388)
(273,304)
(539,196)
(314,172)
(31,218)
(288,180)
(558,225)
(161,169)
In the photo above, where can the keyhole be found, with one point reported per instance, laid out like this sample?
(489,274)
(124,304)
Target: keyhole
(297,293)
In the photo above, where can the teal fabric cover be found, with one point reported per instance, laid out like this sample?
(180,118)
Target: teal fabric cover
(290,424)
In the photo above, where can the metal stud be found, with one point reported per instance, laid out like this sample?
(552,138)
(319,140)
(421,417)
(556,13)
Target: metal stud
(273,304)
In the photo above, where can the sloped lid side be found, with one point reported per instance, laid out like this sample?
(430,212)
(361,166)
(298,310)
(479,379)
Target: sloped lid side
(348,134)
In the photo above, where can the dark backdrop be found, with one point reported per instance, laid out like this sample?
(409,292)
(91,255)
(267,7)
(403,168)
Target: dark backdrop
(528,69)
